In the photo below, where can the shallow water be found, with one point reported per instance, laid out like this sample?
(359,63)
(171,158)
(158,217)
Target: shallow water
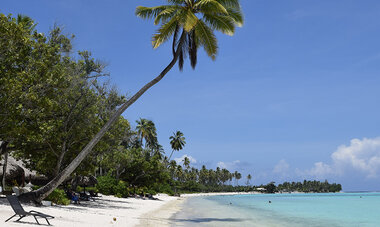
(328,209)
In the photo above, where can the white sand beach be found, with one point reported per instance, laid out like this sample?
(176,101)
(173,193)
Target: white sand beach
(101,212)
(127,212)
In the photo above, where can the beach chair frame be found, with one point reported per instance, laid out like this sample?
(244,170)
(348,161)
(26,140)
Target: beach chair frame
(19,211)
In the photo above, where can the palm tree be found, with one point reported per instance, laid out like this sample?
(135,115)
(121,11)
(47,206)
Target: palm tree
(196,20)
(238,177)
(180,19)
(146,130)
(249,177)
(186,163)
(225,175)
(177,142)
(172,168)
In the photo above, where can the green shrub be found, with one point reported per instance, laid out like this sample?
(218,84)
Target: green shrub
(58,196)
(151,191)
(106,185)
(121,190)
(163,187)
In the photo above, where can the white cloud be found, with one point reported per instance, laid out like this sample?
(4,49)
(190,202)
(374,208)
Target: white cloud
(361,155)
(180,160)
(232,166)
(281,167)
(281,170)
(320,170)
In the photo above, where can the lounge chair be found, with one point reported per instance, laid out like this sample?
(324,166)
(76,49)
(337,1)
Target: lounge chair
(16,190)
(17,208)
(94,194)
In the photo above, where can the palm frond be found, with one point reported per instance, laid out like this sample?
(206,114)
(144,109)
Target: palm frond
(210,6)
(176,2)
(230,3)
(181,60)
(164,32)
(237,15)
(207,39)
(224,24)
(182,15)
(183,53)
(166,14)
(150,12)
(190,20)
(192,48)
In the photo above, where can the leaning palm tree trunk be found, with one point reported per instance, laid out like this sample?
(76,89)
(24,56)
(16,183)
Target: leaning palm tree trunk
(38,195)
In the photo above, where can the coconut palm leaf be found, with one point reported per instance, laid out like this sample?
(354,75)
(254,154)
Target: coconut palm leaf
(207,39)
(196,20)
(210,5)
(164,33)
(149,12)
(189,21)
(230,3)
(224,24)
(237,15)
(166,14)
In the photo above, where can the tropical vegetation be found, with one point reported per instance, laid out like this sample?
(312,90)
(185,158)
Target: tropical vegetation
(55,110)
(57,107)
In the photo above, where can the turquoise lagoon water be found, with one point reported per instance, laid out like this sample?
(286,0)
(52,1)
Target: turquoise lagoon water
(328,209)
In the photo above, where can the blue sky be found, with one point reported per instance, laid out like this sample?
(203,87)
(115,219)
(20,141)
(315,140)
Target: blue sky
(293,94)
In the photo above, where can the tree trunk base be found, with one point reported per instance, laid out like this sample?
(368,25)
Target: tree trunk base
(30,197)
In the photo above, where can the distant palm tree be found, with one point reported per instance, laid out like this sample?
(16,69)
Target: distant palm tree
(179,173)
(172,168)
(177,142)
(237,176)
(186,163)
(249,177)
(147,130)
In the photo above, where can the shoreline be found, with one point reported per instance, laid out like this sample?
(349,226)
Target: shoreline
(162,216)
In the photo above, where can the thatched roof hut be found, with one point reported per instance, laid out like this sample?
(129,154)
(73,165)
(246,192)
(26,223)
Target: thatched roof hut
(16,170)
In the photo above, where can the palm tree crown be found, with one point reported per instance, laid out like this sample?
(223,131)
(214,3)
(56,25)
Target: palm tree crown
(177,142)
(147,130)
(198,19)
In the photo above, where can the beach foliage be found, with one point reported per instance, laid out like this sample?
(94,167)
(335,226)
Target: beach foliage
(58,196)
